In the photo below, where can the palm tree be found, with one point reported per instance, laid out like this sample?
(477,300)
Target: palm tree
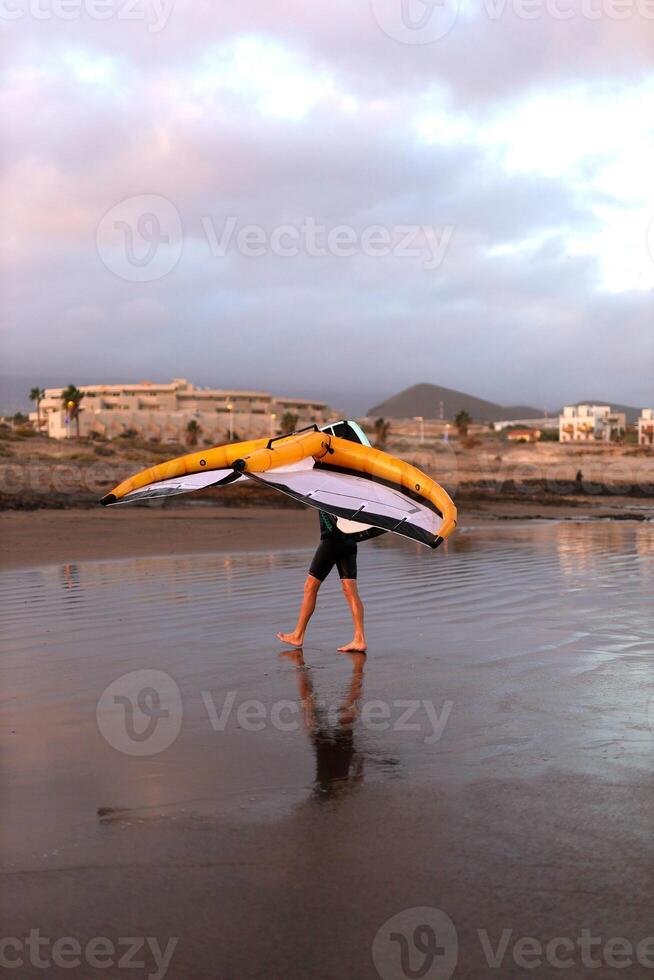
(382,428)
(36,396)
(289,422)
(72,398)
(462,421)
(193,431)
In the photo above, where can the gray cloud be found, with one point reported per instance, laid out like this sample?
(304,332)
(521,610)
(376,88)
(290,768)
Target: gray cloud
(96,113)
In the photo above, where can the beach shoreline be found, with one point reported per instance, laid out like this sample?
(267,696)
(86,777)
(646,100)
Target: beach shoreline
(44,537)
(50,492)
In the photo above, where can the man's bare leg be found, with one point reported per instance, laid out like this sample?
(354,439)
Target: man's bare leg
(296,638)
(358,644)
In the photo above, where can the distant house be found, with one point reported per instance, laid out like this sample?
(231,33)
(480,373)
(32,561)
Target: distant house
(646,427)
(524,435)
(591,423)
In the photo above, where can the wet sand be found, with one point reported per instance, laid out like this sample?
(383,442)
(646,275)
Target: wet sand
(490,759)
(35,537)
(38,537)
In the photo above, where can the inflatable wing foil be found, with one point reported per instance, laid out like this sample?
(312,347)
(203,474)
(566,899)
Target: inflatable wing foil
(209,468)
(355,482)
(359,485)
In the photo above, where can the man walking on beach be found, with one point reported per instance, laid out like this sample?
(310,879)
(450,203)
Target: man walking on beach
(340,549)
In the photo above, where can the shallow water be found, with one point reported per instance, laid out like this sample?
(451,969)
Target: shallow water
(170,772)
(512,649)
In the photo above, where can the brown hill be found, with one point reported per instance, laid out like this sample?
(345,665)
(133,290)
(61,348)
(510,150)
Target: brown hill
(427,400)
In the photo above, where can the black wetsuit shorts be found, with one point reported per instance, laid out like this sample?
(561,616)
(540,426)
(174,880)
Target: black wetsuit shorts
(334,550)
(337,548)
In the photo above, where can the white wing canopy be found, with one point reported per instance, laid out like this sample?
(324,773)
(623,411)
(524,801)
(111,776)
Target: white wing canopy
(355,498)
(180,484)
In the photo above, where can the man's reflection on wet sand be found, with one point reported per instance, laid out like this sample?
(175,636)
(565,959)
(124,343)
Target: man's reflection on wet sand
(69,576)
(339,767)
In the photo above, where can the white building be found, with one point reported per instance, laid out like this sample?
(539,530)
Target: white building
(590,423)
(162,412)
(646,427)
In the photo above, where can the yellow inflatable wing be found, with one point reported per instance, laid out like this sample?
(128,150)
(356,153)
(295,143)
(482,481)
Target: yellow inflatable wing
(208,468)
(355,482)
(362,487)
(195,471)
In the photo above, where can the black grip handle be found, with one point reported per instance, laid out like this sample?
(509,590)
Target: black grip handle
(307,428)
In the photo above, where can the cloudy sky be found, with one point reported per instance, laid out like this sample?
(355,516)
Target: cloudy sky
(332,199)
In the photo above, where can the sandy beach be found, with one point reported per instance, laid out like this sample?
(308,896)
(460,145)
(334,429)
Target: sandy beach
(483,773)
(477,787)
(45,536)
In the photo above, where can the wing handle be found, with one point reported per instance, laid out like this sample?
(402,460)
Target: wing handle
(307,428)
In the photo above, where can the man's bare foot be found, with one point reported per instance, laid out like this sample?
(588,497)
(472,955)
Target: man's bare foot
(356,646)
(292,639)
